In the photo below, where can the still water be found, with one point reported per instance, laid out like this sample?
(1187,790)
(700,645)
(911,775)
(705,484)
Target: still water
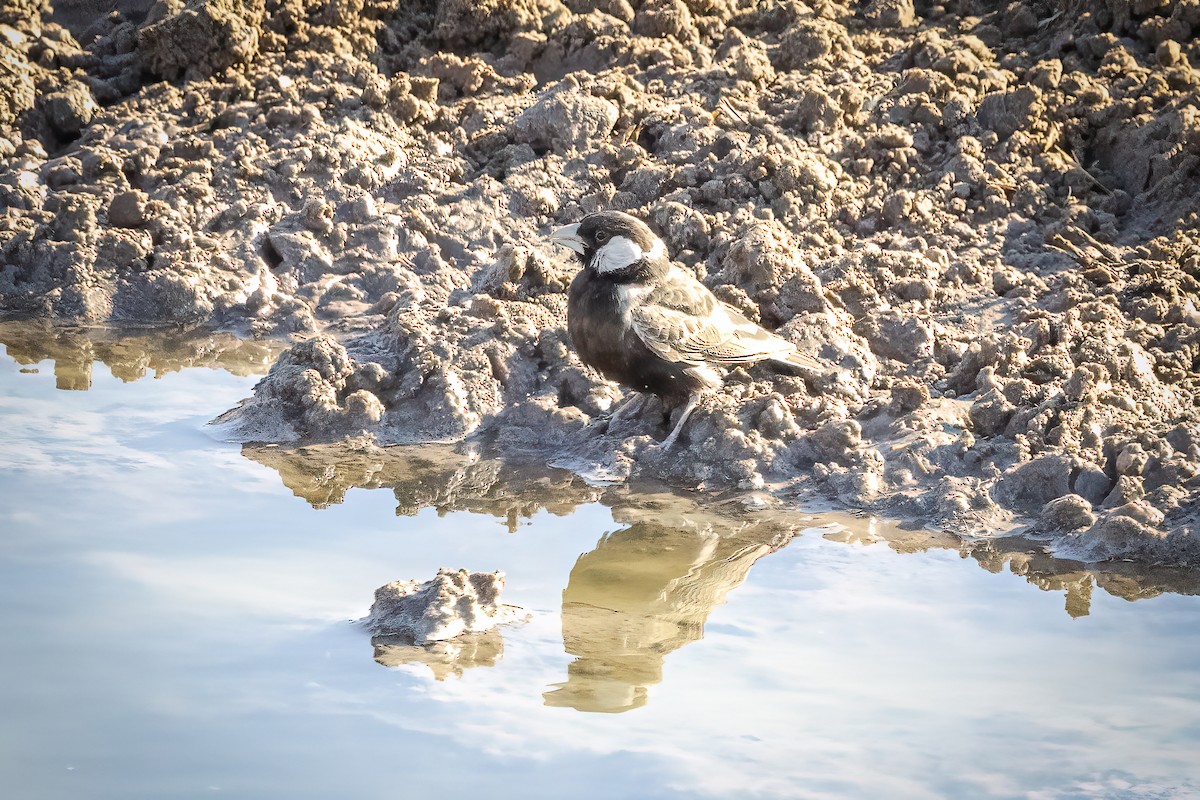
(175,623)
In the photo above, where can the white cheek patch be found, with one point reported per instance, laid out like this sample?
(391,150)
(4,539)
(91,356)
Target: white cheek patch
(616,254)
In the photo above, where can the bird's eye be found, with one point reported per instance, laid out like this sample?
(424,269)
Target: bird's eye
(601,236)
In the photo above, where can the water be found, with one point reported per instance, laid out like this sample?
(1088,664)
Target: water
(174,617)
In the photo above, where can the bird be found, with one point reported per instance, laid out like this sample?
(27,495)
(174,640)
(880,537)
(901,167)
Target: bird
(646,323)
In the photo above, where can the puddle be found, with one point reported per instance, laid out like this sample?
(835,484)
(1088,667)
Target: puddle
(175,617)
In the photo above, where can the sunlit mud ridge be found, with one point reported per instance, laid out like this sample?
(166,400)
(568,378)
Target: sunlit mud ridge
(984,221)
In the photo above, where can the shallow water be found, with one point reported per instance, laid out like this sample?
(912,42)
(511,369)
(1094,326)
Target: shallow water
(174,612)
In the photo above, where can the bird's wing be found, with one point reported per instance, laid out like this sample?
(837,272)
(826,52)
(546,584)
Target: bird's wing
(681,320)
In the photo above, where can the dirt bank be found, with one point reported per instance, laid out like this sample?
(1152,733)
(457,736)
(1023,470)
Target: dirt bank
(984,221)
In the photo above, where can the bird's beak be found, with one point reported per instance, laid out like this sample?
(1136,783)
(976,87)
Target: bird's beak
(568,236)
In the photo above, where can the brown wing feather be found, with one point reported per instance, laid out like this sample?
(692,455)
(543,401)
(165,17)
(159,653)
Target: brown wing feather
(682,321)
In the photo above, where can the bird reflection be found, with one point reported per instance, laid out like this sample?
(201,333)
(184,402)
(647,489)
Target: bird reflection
(643,593)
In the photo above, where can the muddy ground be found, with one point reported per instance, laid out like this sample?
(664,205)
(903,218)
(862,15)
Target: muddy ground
(982,218)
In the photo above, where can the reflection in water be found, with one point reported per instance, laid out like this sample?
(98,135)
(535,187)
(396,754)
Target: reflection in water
(423,476)
(212,647)
(1122,579)
(438,476)
(446,658)
(646,591)
(1030,560)
(131,353)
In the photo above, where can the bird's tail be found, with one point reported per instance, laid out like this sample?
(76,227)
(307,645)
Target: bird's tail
(797,361)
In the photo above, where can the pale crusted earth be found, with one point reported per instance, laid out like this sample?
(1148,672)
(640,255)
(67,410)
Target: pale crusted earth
(452,603)
(982,218)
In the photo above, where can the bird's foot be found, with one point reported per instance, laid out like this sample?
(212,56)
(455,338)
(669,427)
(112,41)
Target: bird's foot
(664,447)
(666,444)
(628,407)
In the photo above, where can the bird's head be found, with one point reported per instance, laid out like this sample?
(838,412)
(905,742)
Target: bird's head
(612,243)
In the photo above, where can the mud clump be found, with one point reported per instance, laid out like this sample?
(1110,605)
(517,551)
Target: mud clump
(453,603)
(201,39)
(565,122)
(982,220)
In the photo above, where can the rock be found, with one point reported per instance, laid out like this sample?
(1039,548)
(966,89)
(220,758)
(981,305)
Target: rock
(1119,536)
(764,262)
(69,111)
(17,91)
(891,13)
(309,393)
(1067,513)
(1029,486)
(1009,112)
(908,396)
(22,17)
(664,18)
(127,209)
(1021,21)
(682,228)
(747,57)
(1132,460)
(915,289)
(902,337)
(453,603)
(1185,439)
(300,253)
(1127,489)
(565,121)
(1139,510)
(1174,471)
(990,413)
(808,40)
(363,409)
(1168,53)
(207,36)
(836,440)
(473,22)
(1092,484)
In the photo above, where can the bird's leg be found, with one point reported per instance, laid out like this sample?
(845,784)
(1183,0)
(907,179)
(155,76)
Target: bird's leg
(630,405)
(692,401)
